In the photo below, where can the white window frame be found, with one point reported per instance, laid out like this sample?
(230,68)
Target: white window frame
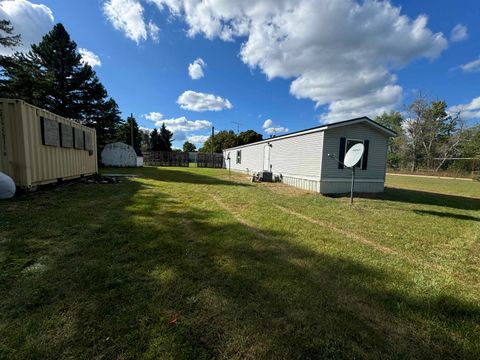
(238,159)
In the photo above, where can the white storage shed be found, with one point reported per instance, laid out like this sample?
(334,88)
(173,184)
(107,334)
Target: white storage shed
(301,158)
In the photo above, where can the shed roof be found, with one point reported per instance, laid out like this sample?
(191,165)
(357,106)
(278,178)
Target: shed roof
(362,119)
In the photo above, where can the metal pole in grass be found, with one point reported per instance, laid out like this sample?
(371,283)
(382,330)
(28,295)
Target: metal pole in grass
(131,129)
(352,186)
(211,148)
(229,170)
(352,158)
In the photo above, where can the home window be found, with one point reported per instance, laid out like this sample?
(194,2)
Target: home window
(348,144)
(239,156)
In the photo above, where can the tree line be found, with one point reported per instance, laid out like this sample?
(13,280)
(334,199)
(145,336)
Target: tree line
(429,137)
(227,138)
(161,140)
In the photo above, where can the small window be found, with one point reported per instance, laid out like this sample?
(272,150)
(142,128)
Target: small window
(239,156)
(348,144)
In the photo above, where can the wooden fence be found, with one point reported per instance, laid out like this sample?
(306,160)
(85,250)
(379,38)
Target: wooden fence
(210,160)
(165,158)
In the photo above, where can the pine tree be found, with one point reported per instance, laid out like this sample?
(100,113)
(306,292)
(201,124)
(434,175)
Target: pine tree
(23,79)
(106,122)
(70,81)
(8,39)
(155,144)
(165,138)
(53,77)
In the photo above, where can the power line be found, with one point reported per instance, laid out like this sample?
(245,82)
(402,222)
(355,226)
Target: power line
(238,125)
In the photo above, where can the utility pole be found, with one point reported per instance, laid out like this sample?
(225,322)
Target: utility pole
(131,129)
(211,150)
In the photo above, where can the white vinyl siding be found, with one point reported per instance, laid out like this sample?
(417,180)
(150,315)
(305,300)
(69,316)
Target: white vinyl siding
(298,156)
(251,158)
(377,152)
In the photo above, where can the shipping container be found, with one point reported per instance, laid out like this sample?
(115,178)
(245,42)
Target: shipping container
(38,147)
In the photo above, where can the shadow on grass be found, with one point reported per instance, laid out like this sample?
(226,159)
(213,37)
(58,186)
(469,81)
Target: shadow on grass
(113,285)
(425,198)
(188,176)
(447,215)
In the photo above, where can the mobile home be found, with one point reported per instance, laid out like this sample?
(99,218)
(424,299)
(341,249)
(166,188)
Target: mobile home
(311,159)
(38,147)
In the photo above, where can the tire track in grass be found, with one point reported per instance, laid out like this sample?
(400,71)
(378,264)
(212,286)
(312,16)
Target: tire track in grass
(237,217)
(381,248)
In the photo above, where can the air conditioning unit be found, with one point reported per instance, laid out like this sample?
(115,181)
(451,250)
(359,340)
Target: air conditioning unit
(266,176)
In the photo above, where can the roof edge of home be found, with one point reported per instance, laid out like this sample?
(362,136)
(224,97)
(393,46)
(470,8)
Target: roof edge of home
(320,128)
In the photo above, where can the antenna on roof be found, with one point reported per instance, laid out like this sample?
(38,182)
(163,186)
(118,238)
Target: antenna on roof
(352,157)
(238,125)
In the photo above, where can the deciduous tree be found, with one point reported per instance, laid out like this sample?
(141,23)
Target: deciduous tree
(222,140)
(189,147)
(248,137)
(393,120)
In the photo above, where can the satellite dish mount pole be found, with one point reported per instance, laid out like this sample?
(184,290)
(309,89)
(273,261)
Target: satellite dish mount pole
(229,172)
(351,159)
(352,185)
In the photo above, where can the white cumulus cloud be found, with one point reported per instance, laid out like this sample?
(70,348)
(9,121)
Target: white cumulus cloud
(145,129)
(31,21)
(333,50)
(198,101)
(195,69)
(198,139)
(180,124)
(272,129)
(153,116)
(185,125)
(90,58)
(468,111)
(459,33)
(127,16)
(471,66)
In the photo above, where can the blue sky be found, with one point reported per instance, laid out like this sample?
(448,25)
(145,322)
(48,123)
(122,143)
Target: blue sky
(297,63)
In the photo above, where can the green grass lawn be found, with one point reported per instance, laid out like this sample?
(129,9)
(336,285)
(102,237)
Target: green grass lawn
(188,264)
(445,186)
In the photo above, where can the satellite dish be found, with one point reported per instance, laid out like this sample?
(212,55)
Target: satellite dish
(7,186)
(353,156)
